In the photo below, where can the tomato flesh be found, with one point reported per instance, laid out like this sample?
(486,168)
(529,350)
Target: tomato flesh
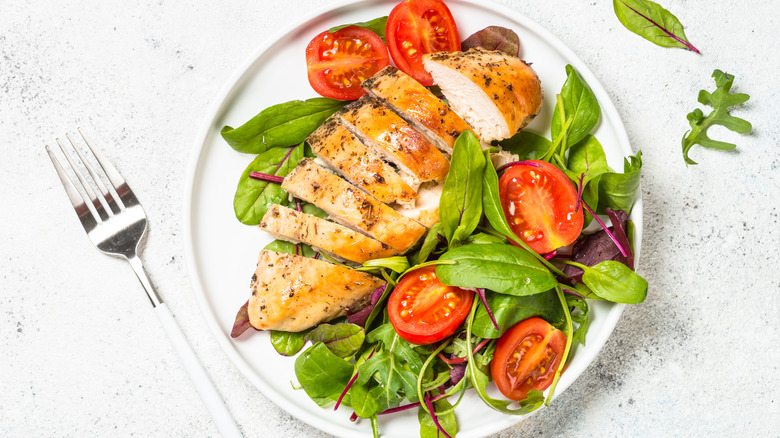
(526,358)
(417,27)
(540,204)
(423,310)
(337,63)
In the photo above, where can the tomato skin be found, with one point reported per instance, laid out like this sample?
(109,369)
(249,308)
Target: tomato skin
(337,63)
(540,205)
(417,27)
(423,310)
(526,358)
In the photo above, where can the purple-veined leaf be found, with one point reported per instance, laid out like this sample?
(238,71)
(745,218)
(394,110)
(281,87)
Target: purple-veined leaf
(653,23)
(494,38)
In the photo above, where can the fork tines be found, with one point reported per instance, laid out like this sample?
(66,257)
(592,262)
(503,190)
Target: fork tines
(104,203)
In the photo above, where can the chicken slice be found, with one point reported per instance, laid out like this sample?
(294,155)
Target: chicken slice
(294,293)
(286,224)
(496,93)
(352,207)
(394,140)
(426,211)
(343,152)
(426,112)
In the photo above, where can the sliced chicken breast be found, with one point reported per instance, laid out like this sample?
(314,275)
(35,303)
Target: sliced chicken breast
(343,152)
(496,93)
(394,140)
(293,226)
(352,207)
(426,211)
(426,112)
(294,293)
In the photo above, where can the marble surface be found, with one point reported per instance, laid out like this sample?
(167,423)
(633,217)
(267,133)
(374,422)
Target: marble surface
(83,353)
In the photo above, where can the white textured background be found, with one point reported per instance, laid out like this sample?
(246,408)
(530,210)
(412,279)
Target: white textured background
(82,354)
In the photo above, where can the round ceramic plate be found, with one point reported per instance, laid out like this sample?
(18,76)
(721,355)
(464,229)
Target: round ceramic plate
(222,252)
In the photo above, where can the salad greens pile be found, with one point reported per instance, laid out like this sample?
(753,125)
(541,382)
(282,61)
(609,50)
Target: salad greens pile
(359,362)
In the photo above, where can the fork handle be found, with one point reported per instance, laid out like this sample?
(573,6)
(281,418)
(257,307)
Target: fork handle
(208,393)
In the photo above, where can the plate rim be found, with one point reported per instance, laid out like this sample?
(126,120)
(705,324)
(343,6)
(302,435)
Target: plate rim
(199,146)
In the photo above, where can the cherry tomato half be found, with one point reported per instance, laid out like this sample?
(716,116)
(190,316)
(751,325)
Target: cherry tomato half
(540,204)
(337,63)
(417,27)
(423,310)
(526,358)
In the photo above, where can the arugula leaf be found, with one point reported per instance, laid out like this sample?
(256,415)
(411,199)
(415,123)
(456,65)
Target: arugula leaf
(652,22)
(494,38)
(526,145)
(460,208)
(509,310)
(253,197)
(581,317)
(501,268)
(618,190)
(322,374)
(397,345)
(576,112)
(614,281)
(288,343)
(720,99)
(343,340)
(377,25)
(392,377)
(284,124)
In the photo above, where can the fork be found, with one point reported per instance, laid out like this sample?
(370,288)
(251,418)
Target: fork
(116,223)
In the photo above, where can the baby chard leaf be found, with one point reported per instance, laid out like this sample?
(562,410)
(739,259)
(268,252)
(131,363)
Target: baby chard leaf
(494,38)
(343,340)
(460,208)
(720,99)
(652,22)
(284,124)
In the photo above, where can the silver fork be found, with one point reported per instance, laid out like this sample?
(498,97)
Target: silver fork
(116,223)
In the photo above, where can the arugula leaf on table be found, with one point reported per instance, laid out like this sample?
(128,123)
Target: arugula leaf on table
(720,99)
(322,374)
(377,25)
(653,23)
(284,124)
(501,268)
(508,310)
(343,340)
(253,197)
(460,208)
(576,113)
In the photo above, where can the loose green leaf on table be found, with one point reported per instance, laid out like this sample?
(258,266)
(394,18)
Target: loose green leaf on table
(720,99)
(460,208)
(284,124)
(322,374)
(377,25)
(253,197)
(501,268)
(343,340)
(652,22)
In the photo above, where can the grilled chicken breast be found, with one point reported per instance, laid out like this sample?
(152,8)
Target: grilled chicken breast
(294,293)
(342,151)
(394,140)
(352,207)
(426,112)
(496,93)
(286,224)
(426,211)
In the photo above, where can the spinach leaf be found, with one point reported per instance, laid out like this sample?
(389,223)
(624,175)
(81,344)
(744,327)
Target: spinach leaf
(322,374)
(576,112)
(509,310)
(485,238)
(447,421)
(526,145)
(587,158)
(343,340)
(288,343)
(286,247)
(618,190)
(284,124)
(460,208)
(377,25)
(494,38)
(429,244)
(313,210)
(720,99)
(501,268)
(652,22)
(614,281)
(253,197)
(397,264)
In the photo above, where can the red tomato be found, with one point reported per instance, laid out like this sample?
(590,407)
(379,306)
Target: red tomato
(338,62)
(540,204)
(417,27)
(423,310)
(526,358)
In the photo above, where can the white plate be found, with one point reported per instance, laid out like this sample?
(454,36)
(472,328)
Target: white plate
(221,252)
